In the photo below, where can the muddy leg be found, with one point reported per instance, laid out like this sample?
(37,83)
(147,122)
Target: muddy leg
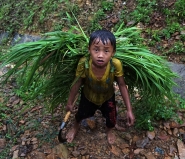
(72,132)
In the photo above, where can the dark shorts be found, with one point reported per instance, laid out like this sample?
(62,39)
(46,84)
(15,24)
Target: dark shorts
(87,109)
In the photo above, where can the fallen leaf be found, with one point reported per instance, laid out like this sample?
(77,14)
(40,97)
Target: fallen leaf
(2,143)
(51,156)
(172,150)
(61,151)
(174,125)
(16,101)
(91,123)
(36,108)
(15,154)
(151,135)
(167,125)
(181,149)
(149,155)
(175,132)
(163,136)
(126,150)
(115,150)
(137,151)
(21,122)
(76,153)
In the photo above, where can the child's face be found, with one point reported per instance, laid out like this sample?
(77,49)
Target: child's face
(100,53)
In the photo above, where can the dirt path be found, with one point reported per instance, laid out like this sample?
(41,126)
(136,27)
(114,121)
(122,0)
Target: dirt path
(31,133)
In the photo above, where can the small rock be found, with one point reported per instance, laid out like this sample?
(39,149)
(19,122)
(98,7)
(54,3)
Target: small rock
(115,150)
(34,141)
(124,145)
(142,143)
(75,153)
(128,136)
(169,132)
(135,138)
(12,99)
(149,155)
(15,154)
(174,125)
(175,132)
(16,102)
(181,148)
(4,128)
(130,23)
(159,151)
(163,136)
(83,152)
(14,148)
(23,155)
(2,143)
(126,151)
(21,122)
(23,143)
(137,151)
(35,146)
(172,150)
(167,125)
(151,135)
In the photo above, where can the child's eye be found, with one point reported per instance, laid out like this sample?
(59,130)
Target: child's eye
(95,49)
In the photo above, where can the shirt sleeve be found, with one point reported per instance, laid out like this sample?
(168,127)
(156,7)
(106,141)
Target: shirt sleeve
(80,71)
(118,67)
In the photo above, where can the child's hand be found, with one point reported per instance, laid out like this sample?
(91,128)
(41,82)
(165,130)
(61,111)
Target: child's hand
(130,118)
(69,108)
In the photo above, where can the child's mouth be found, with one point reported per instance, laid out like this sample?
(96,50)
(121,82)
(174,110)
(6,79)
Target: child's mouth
(100,61)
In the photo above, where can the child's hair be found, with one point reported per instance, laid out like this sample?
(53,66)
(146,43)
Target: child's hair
(103,35)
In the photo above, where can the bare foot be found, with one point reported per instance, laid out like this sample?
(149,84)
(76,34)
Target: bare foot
(111,136)
(72,133)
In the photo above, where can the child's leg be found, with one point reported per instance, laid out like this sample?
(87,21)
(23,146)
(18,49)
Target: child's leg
(72,132)
(120,128)
(108,110)
(86,109)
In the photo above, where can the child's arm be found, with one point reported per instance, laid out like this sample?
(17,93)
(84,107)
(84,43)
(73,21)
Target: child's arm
(72,94)
(126,99)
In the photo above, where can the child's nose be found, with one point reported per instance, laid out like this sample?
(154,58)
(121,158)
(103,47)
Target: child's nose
(100,54)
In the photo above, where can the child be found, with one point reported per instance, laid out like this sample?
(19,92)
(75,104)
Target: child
(96,74)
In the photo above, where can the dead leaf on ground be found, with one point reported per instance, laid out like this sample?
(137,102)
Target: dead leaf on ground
(115,150)
(61,151)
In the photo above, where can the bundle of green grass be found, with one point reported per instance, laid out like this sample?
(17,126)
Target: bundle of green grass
(47,67)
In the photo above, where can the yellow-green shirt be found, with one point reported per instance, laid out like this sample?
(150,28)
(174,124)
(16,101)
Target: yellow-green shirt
(99,90)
